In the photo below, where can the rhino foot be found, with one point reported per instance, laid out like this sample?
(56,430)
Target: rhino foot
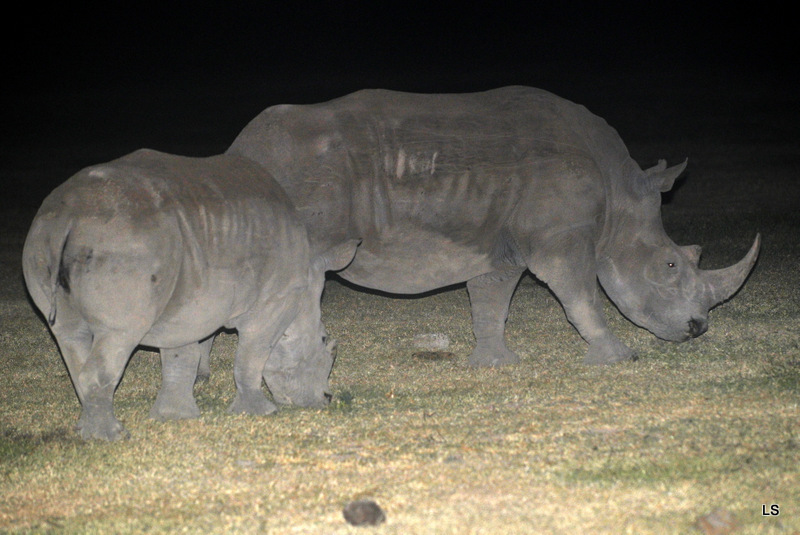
(488,355)
(608,351)
(174,408)
(100,427)
(257,405)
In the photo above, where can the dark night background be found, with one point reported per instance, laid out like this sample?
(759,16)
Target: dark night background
(88,84)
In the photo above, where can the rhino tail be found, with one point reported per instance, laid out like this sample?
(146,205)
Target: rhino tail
(59,275)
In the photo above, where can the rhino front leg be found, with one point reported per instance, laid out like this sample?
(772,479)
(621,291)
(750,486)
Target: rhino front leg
(179,367)
(568,268)
(585,312)
(252,353)
(247,370)
(489,297)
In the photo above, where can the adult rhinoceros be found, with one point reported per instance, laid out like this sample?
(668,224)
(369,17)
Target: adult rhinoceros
(162,250)
(477,188)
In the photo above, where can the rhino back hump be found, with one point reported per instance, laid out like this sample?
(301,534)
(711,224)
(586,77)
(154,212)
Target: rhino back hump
(224,206)
(421,178)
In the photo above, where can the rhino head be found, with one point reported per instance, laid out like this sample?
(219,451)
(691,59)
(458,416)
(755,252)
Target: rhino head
(655,283)
(298,368)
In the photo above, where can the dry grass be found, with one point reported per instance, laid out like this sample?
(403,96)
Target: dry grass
(546,446)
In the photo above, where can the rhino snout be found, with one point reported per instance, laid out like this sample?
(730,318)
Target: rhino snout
(697,327)
(314,401)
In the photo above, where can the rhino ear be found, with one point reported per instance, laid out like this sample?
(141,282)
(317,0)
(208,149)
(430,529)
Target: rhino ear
(660,177)
(338,256)
(693,252)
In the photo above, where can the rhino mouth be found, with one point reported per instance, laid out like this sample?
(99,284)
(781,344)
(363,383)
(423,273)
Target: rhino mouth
(693,328)
(671,331)
(303,399)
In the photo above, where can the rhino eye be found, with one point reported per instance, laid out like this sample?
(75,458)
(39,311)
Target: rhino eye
(670,264)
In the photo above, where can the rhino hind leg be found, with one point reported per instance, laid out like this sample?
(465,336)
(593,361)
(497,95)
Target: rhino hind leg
(96,382)
(95,365)
(74,341)
(568,268)
(204,367)
(490,296)
(179,367)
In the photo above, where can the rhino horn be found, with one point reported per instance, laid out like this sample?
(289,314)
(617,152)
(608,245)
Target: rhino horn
(660,177)
(723,283)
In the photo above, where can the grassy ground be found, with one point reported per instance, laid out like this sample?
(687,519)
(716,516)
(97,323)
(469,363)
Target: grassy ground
(547,446)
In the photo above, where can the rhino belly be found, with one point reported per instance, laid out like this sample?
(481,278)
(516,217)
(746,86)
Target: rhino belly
(197,308)
(415,262)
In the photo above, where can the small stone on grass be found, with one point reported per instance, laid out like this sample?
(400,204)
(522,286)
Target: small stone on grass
(364,513)
(717,522)
(431,341)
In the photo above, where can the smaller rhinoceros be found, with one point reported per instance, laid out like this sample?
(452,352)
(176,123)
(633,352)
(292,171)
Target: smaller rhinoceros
(160,250)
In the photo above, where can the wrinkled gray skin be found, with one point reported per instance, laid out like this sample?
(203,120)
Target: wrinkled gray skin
(162,251)
(477,188)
